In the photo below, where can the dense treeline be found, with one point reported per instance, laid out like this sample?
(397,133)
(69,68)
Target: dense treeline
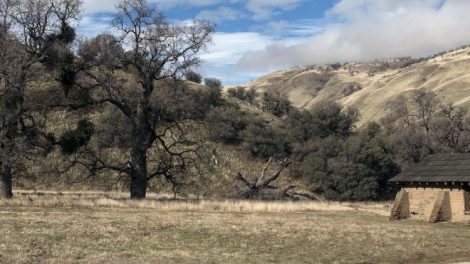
(330,155)
(344,162)
(133,107)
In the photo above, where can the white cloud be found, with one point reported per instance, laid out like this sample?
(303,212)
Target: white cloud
(227,48)
(175,3)
(264,9)
(91,26)
(277,26)
(260,9)
(373,29)
(220,14)
(302,28)
(386,9)
(220,60)
(93,6)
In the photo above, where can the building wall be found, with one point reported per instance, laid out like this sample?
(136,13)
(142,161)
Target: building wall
(422,200)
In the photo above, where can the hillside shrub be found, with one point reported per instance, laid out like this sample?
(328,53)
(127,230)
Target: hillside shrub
(324,120)
(243,94)
(353,169)
(213,83)
(276,103)
(193,76)
(262,140)
(71,141)
(226,123)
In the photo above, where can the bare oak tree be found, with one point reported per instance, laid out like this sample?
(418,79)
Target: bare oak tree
(150,55)
(421,124)
(31,31)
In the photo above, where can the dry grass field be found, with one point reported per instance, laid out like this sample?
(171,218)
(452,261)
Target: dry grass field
(107,228)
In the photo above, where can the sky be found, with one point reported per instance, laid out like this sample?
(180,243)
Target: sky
(254,37)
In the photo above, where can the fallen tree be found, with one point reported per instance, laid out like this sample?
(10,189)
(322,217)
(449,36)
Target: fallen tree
(262,188)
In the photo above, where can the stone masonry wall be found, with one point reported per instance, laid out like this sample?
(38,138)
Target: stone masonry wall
(422,202)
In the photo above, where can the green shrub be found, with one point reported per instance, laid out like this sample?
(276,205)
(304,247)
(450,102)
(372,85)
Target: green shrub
(353,169)
(331,119)
(262,140)
(325,120)
(71,141)
(214,96)
(193,76)
(226,123)
(213,83)
(243,94)
(276,103)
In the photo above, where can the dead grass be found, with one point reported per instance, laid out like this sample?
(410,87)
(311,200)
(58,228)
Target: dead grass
(69,229)
(162,203)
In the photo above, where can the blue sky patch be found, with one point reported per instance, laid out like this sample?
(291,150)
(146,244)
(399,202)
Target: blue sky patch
(254,37)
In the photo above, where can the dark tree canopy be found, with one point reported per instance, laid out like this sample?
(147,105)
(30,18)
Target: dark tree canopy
(324,120)
(215,90)
(243,94)
(213,83)
(226,124)
(276,103)
(34,39)
(138,75)
(357,168)
(193,77)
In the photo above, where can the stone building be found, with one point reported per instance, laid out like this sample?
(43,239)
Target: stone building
(434,190)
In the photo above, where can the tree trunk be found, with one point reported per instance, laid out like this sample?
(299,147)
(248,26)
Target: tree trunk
(138,174)
(142,141)
(5,183)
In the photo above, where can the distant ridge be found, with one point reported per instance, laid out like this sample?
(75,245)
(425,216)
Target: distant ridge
(371,86)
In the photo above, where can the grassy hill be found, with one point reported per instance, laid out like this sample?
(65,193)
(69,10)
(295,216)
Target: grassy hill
(373,85)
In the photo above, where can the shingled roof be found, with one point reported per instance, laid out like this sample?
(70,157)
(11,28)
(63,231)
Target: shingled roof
(438,168)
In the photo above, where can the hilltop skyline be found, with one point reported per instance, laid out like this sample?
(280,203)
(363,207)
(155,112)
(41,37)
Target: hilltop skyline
(254,37)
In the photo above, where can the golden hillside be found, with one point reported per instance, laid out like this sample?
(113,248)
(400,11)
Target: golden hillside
(372,86)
